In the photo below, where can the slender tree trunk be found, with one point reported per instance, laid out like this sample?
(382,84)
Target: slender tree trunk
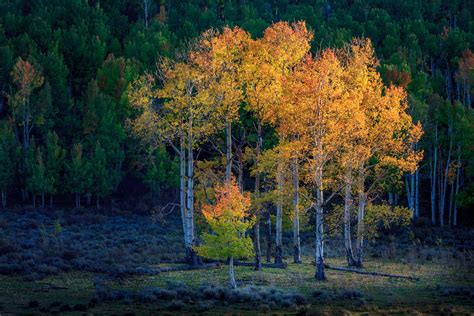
(269,236)
(241,175)
(320,275)
(347,218)
(34,200)
(233,284)
(458,175)
(4,198)
(360,222)
(417,193)
(146,7)
(182,188)
(258,255)
(391,201)
(445,180)
(412,192)
(192,257)
(450,212)
(228,166)
(51,200)
(434,166)
(97,202)
(407,187)
(279,217)
(42,200)
(296,219)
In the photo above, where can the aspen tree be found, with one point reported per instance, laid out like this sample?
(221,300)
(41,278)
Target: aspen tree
(229,219)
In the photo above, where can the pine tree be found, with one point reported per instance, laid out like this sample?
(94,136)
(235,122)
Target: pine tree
(55,156)
(9,154)
(76,173)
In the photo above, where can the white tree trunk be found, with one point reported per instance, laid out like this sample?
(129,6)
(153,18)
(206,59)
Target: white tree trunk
(182,189)
(458,175)
(296,218)
(319,255)
(434,168)
(444,184)
(228,166)
(417,193)
(279,217)
(233,284)
(360,222)
(146,8)
(190,204)
(258,254)
(347,217)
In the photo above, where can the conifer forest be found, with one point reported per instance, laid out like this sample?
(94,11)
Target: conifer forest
(287,157)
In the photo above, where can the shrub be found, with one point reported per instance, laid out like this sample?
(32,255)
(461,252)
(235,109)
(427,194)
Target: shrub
(350,294)
(175,305)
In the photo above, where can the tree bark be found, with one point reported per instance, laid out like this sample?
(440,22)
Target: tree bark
(269,236)
(4,198)
(258,260)
(146,7)
(417,193)
(360,222)
(182,187)
(444,184)
(258,255)
(458,175)
(279,217)
(192,257)
(347,218)
(296,218)
(450,212)
(233,284)
(320,275)
(42,200)
(434,167)
(228,166)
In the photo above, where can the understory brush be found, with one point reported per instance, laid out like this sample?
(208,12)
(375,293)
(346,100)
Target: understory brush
(40,243)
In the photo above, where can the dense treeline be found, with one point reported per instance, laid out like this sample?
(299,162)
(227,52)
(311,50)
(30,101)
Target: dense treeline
(66,68)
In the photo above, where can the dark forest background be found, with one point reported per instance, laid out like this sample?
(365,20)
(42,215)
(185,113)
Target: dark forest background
(64,139)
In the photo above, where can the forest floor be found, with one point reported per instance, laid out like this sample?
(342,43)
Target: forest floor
(68,284)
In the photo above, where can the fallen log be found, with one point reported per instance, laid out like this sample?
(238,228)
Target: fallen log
(264,265)
(212,265)
(251,264)
(327,266)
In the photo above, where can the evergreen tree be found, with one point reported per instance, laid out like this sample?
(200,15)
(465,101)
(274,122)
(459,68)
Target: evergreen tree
(9,154)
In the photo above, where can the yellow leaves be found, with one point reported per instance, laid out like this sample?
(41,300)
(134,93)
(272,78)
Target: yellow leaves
(229,218)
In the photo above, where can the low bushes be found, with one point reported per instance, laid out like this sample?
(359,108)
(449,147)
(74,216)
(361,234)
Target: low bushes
(202,298)
(41,243)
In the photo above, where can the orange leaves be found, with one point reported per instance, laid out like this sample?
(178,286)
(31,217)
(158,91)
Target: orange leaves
(230,202)
(466,66)
(26,77)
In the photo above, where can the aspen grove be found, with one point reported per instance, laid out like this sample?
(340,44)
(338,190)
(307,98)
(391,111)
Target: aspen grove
(338,129)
